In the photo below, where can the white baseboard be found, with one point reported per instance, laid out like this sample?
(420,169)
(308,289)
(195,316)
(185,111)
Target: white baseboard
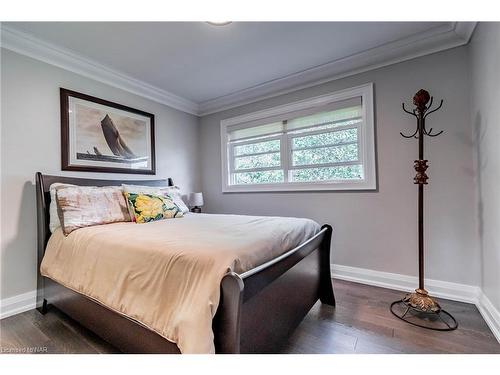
(437,288)
(490,314)
(17,304)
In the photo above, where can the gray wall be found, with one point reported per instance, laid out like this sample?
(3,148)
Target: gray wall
(378,230)
(30,142)
(373,230)
(485,117)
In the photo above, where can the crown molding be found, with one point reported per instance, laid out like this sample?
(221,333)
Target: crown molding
(465,30)
(450,35)
(29,45)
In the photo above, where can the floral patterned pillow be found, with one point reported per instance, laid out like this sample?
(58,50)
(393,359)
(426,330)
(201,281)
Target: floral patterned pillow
(150,207)
(173,191)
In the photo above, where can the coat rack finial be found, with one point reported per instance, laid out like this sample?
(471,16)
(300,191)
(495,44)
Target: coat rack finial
(420,99)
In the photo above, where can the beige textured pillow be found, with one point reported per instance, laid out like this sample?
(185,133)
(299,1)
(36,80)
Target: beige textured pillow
(53,216)
(84,206)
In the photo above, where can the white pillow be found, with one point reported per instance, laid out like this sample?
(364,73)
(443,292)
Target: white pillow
(173,191)
(176,195)
(54,222)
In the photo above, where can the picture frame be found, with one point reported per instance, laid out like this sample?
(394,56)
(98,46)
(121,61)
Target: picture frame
(98,135)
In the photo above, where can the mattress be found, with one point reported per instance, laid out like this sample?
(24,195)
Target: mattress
(166,274)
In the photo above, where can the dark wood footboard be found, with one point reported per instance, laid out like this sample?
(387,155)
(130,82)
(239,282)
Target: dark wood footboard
(258,309)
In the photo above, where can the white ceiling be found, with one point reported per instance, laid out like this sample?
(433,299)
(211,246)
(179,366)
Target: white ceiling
(217,66)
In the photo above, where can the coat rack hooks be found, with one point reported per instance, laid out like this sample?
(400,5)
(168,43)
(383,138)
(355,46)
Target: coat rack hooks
(434,110)
(411,113)
(418,308)
(421,112)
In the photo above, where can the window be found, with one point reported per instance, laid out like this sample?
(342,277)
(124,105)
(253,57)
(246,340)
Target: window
(324,143)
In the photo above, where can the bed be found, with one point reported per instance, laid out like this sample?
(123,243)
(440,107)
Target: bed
(258,306)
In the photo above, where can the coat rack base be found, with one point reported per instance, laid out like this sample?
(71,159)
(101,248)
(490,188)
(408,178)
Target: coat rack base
(421,310)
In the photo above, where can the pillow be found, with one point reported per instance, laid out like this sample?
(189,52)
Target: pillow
(84,206)
(151,207)
(54,222)
(173,191)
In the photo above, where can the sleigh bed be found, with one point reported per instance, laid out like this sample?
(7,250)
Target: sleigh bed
(257,311)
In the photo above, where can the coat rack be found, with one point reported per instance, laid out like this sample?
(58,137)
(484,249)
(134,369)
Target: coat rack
(418,308)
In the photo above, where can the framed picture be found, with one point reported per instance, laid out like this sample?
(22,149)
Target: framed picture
(102,136)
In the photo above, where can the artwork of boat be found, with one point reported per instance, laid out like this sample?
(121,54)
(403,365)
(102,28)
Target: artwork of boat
(121,152)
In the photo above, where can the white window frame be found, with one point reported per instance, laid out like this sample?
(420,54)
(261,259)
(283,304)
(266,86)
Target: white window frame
(366,140)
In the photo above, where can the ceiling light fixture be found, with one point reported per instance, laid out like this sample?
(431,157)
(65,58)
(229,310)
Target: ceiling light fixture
(219,23)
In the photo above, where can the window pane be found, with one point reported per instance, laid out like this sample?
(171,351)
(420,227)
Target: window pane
(253,148)
(261,177)
(345,172)
(324,155)
(257,161)
(348,135)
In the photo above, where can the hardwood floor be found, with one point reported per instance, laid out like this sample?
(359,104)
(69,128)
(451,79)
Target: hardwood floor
(361,323)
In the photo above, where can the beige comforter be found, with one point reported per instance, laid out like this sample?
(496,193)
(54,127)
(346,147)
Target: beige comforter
(166,274)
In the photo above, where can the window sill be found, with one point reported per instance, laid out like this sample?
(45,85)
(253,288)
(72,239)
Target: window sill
(300,187)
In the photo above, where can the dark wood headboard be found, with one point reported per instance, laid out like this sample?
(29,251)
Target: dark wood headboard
(43,183)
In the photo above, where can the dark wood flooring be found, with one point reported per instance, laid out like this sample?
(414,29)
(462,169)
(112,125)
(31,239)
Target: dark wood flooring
(361,323)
